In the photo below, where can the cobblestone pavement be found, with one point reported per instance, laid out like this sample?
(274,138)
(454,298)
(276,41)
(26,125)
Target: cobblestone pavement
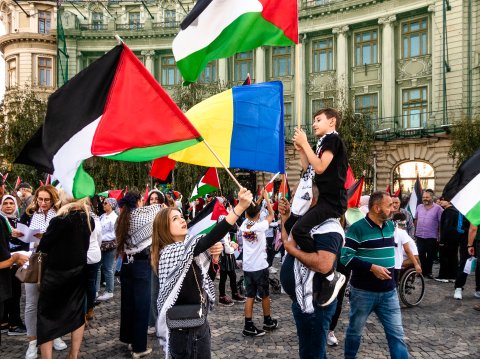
(440,327)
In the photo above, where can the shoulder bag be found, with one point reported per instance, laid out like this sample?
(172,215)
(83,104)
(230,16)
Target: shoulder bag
(33,272)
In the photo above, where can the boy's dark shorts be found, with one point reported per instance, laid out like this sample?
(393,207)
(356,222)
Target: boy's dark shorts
(256,283)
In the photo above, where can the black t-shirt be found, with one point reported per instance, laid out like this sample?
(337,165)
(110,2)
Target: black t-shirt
(5,277)
(332,181)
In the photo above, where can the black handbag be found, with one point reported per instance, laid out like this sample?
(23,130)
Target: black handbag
(188,315)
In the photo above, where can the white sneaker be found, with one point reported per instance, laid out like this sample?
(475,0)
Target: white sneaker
(332,339)
(32,350)
(105,296)
(458,293)
(272,270)
(59,344)
(477,294)
(151,330)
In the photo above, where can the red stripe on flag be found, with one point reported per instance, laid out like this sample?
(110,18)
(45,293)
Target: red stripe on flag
(161,168)
(354,193)
(350,179)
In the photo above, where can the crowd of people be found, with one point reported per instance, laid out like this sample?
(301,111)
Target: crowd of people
(166,276)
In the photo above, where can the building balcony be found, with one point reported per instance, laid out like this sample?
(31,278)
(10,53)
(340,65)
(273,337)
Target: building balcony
(175,25)
(93,27)
(305,4)
(131,27)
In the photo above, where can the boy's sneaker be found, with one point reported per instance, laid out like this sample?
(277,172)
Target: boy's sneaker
(225,300)
(270,324)
(239,298)
(18,330)
(332,339)
(329,289)
(252,331)
(59,344)
(457,294)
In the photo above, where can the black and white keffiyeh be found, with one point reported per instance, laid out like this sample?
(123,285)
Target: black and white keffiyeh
(40,220)
(303,275)
(141,228)
(175,261)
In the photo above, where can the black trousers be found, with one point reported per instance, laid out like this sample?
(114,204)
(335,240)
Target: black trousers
(223,280)
(426,253)
(11,313)
(448,256)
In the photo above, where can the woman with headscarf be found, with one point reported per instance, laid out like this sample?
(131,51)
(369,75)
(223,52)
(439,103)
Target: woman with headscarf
(182,263)
(11,317)
(134,238)
(61,303)
(41,210)
(109,244)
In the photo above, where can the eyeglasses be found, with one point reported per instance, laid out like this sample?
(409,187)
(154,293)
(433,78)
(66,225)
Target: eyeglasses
(44,200)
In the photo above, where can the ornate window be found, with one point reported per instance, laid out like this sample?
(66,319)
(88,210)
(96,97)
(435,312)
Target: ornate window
(209,73)
(322,53)
(367,105)
(170,18)
(405,175)
(170,74)
(415,38)
(366,47)
(243,65)
(97,20)
(44,22)
(12,73)
(414,107)
(282,61)
(134,20)
(45,71)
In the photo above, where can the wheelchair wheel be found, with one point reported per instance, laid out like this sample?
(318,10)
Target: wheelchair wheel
(412,288)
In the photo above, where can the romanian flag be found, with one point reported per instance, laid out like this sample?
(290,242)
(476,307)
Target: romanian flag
(243,125)
(220,28)
(115,109)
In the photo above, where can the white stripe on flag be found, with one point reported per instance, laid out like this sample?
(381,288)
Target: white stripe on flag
(210,24)
(468,197)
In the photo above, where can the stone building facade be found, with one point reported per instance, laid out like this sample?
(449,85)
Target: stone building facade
(29,46)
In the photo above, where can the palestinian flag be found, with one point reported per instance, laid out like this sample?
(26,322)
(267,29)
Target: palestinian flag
(354,193)
(270,189)
(284,189)
(207,184)
(115,109)
(349,179)
(114,193)
(207,218)
(415,198)
(217,29)
(463,189)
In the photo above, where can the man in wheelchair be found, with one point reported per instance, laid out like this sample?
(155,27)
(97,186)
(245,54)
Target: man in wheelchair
(406,252)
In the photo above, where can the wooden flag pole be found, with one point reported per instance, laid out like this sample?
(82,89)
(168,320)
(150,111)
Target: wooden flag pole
(223,164)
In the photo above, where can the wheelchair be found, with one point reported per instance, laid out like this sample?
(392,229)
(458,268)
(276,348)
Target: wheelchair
(411,287)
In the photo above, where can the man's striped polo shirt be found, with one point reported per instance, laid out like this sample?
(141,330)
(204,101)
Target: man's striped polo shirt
(366,244)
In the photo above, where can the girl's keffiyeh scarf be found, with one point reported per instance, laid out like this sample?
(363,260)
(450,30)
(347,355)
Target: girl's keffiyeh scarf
(141,228)
(175,261)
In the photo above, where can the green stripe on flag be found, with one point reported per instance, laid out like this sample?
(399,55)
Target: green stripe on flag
(202,191)
(474,215)
(83,184)
(261,32)
(151,153)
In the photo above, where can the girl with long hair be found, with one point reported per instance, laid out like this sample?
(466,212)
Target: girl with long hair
(182,263)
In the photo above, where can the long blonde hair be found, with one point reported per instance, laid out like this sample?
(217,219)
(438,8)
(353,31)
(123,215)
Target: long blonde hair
(79,205)
(161,236)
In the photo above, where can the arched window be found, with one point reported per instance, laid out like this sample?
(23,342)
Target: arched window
(405,175)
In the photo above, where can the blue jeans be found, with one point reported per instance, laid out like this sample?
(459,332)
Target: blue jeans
(312,330)
(152,319)
(92,270)
(387,308)
(108,257)
(135,303)
(193,343)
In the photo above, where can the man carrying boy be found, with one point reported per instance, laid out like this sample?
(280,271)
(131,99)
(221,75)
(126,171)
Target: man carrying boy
(255,267)
(328,167)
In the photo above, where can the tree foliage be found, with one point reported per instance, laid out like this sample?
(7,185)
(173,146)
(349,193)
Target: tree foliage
(465,137)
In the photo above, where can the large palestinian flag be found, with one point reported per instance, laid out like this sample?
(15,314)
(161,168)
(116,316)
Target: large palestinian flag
(207,218)
(220,28)
(463,189)
(114,109)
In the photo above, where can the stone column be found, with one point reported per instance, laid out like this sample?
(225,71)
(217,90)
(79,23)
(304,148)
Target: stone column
(259,74)
(222,71)
(149,60)
(388,67)
(342,62)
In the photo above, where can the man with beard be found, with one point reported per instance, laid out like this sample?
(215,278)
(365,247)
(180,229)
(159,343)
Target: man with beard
(369,252)
(427,226)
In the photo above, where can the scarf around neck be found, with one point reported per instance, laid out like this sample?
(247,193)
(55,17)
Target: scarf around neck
(41,220)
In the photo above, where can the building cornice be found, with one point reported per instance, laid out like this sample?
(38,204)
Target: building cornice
(26,37)
(310,9)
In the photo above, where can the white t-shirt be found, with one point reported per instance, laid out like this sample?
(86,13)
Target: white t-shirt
(401,237)
(94,255)
(254,246)
(108,226)
(413,248)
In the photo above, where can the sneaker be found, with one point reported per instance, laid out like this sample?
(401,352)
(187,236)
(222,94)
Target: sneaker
(4,328)
(332,339)
(18,330)
(32,350)
(458,293)
(272,270)
(441,280)
(142,354)
(270,324)
(477,294)
(225,300)
(252,331)
(59,344)
(129,347)
(105,296)
(329,289)
(239,298)
(151,330)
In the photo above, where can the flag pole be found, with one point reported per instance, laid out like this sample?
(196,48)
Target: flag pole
(297,84)
(119,39)
(223,164)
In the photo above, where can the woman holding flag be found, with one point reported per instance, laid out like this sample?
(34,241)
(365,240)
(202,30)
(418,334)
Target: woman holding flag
(182,264)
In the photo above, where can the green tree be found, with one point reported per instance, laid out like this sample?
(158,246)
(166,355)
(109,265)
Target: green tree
(465,137)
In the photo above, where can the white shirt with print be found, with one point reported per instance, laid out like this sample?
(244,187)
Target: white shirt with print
(254,246)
